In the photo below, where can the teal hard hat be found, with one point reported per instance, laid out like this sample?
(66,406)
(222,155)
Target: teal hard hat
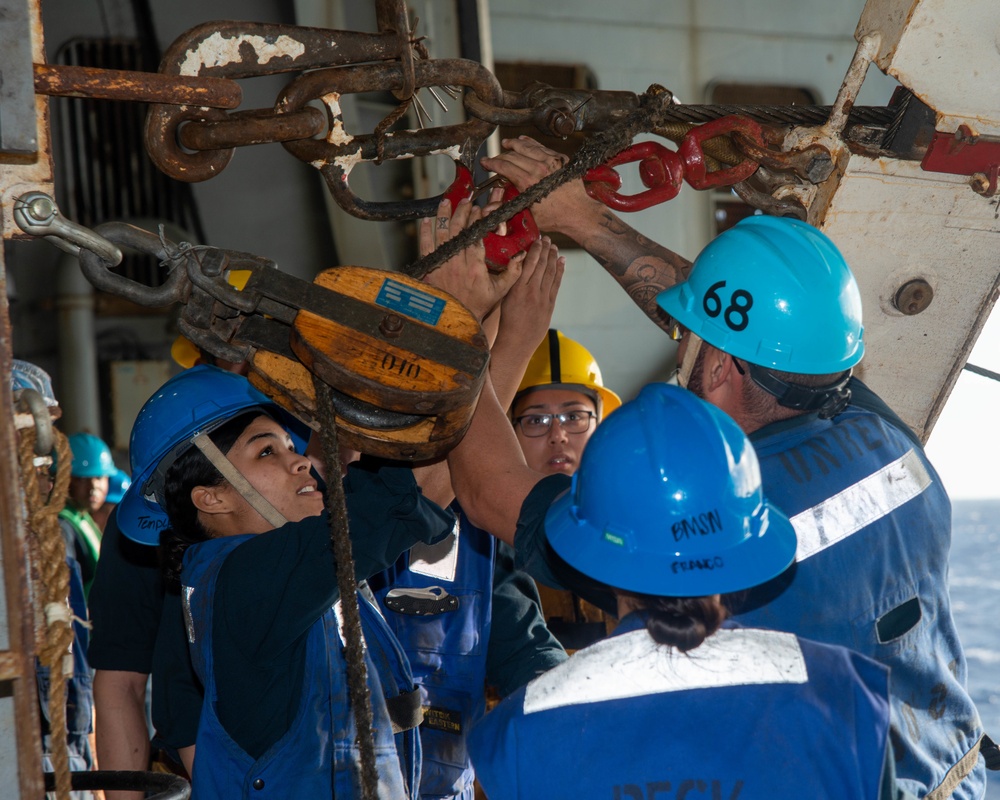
(776,292)
(117,486)
(668,501)
(91,457)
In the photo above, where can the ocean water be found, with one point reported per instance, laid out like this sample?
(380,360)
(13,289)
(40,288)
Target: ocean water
(975,592)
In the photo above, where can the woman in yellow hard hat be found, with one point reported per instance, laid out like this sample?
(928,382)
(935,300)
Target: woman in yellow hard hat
(558,405)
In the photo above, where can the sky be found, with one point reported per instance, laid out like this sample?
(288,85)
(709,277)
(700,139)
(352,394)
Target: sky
(964,446)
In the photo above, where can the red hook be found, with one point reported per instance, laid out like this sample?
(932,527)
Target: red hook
(522,231)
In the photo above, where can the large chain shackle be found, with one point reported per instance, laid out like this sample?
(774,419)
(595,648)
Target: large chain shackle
(237,50)
(339,152)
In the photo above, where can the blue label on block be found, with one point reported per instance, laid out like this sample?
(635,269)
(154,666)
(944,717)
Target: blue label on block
(412,302)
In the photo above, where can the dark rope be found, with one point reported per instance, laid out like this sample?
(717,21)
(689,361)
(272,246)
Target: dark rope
(383,127)
(595,151)
(354,654)
(778,114)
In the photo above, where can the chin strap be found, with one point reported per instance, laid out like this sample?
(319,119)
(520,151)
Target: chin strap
(829,400)
(218,459)
(690,357)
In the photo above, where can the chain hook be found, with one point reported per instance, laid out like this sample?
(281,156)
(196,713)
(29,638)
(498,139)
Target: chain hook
(522,231)
(37,213)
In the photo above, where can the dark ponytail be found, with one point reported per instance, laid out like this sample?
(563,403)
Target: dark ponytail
(189,470)
(681,622)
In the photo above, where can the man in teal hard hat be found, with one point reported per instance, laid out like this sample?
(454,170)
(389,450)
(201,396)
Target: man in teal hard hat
(88,489)
(118,483)
(769,326)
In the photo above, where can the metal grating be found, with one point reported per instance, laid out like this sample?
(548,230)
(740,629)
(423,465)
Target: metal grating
(102,171)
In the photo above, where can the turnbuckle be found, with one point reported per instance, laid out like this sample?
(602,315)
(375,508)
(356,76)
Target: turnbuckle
(557,112)
(663,171)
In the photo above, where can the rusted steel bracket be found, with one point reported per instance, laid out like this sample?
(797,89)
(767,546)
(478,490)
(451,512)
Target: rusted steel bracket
(966,153)
(147,87)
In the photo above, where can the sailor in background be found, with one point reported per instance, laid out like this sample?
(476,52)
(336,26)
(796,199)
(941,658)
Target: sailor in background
(118,483)
(465,617)
(769,324)
(670,701)
(88,489)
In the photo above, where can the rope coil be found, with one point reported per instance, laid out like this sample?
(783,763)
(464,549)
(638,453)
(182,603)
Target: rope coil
(47,552)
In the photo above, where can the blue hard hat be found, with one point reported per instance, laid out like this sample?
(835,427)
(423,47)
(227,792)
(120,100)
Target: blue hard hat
(117,486)
(191,403)
(667,501)
(775,292)
(91,457)
(25,375)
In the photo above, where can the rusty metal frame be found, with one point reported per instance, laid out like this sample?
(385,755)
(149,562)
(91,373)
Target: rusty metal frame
(30,169)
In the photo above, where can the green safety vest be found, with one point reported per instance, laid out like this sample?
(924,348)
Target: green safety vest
(88,537)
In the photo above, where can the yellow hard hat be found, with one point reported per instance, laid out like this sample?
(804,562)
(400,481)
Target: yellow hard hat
(561,361)
(185,352)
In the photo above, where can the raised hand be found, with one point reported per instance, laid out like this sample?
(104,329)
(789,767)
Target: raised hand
(465,276)
(524,162)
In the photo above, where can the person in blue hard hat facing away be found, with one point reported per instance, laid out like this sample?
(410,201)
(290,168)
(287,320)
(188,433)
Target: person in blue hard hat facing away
(676,697)
(88,489)
(769,327)
(220,479)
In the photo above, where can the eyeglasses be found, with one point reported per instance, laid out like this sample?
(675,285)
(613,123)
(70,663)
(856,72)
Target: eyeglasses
(676,331)
(535,425)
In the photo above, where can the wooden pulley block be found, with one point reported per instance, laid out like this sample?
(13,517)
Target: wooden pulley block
(405,361)
(360,425)
(391,341)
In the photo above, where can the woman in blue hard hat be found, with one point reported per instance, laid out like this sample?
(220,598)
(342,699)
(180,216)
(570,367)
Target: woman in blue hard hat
(676,702)
(220,468)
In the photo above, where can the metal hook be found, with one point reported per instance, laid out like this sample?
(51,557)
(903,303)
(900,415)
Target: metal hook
(31,402)
(37,213)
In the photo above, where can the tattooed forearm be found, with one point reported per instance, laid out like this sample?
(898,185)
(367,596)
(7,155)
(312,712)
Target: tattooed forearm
(642,282)
(642,267)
